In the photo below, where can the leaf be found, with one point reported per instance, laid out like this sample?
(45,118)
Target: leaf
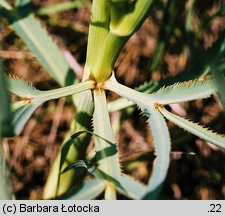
(28,93)
(5,184)
(21,88)
(5,123)
(195,128)
(87,190)
(81,163)
(123,103)
(66,147)
(185,91)
(119,104)
(5,109)
(5,4)
(32,98)
(131,188)
(60,7)
(128,17)
(77,164)
(42,46)
(141,99)
(219,83)
(196,71)
(159,131)
(22,3)
(162,143)
(82,121)
(92,169)
(106,151)
(22,115)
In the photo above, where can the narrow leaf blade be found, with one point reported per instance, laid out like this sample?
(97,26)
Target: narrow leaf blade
(106,150)
(131,188)
(219,83)
(195,128)
(162,151)
(42,46)
(21,88)
(5,123)
(191,90)
(21,115)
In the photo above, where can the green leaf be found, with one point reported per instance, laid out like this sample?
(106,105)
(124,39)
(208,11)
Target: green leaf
(5,109)
(106,150)
(196,71)
(5,184)
(219,83)
(131,188)
(77,164)
(162,151)
(60,7)
(127,17)
(21,88)
(32,98)
(87,190)
(26,91)
(195,128)
(141,99)
(82,121)
(42,46)
(123,103)
(5,4)
(119,104)
(22,3)
(5,127)
(66,147)
(21,115)
(191,90)
(159,131)
(92,169)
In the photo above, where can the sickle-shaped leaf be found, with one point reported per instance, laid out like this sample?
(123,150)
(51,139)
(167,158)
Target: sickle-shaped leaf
(195,128)
(131,188)
(22,115)
(162,143)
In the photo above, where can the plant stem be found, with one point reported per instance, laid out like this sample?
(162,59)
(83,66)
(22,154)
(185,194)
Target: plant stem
(103,68)
(98,31)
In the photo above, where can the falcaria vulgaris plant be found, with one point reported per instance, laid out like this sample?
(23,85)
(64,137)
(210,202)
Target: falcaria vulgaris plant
(112,23)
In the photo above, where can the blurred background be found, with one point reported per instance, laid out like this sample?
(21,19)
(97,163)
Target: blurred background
(171,41)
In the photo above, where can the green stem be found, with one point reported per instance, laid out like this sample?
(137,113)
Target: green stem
(98,30)
(103,68)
